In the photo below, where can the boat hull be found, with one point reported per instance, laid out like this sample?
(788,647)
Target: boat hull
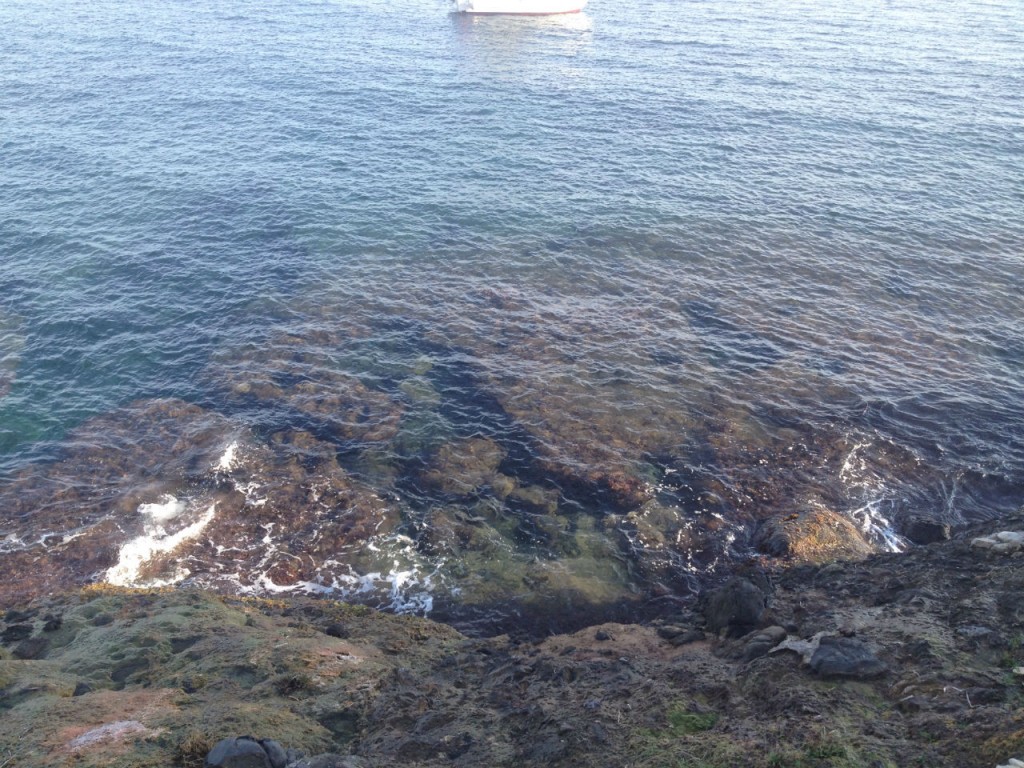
(520,7)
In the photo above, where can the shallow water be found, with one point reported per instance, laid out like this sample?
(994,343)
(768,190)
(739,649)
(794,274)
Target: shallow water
(727,260)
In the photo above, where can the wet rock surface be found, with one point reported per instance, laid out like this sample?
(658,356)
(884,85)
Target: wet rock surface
(814,535)
(892,660)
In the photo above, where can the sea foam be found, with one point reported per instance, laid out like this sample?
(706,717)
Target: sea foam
(155,540)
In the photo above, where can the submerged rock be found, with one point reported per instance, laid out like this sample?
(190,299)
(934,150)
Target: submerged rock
(164,491)
(298,376)
(463,467)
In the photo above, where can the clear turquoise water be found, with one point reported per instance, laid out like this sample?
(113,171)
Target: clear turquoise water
(700,217)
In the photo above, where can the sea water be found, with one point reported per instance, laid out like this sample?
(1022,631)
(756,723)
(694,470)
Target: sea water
(742,259)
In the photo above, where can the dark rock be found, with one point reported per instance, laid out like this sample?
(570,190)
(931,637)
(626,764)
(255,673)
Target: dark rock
(81,689)
(1011,605)
(921,530)
(12,616)
(123,671)
(735,607)
(275,753)
(16,632)
(845,657)
(975,636)
(911,704)
(32,648)
(336,629)
(668,631)
(918,651)
(242,752)
(759,643)
(601,635)
(53,623)
(978,696)
(690,636)
(193,683)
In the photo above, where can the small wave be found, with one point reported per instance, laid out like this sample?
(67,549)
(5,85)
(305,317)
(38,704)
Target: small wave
(405,588)
(862,481)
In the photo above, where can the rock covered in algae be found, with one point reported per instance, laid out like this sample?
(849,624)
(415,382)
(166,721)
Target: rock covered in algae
(814,535)
(296,377)
(168,674)
(735,608)
(64,519)
(163,490)
(462,467)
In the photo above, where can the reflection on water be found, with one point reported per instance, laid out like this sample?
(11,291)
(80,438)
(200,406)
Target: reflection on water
(510,47)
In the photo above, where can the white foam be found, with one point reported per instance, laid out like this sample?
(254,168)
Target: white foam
(857,476)
(13,542)
(154,541)
(876,526)
(227,460)
(168,509)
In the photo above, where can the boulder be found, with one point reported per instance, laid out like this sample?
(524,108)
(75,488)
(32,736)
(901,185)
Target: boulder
(735,607)
(247,752)
(815,535)
(758,644)
(1002,543)
(845,657)
(242,752)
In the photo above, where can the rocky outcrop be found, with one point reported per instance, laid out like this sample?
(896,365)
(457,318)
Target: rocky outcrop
(892,660)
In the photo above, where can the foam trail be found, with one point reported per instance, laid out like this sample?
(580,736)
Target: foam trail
(154,541)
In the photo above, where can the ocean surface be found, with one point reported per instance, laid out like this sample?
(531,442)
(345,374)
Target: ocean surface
(504,320)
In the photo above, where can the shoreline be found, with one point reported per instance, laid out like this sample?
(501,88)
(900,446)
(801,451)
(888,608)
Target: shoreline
(894,660)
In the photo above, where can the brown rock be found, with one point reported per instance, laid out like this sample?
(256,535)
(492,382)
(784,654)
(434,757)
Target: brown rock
(816,535)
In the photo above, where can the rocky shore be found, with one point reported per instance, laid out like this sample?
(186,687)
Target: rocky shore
(912,659)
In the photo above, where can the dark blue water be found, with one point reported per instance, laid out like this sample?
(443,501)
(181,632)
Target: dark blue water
(776,250)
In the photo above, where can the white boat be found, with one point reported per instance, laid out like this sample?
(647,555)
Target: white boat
(521,7)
